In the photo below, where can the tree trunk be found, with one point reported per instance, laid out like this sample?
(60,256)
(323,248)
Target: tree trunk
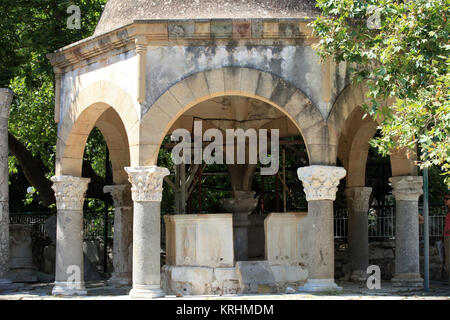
(34,173)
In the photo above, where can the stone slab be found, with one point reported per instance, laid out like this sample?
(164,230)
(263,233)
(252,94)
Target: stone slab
(199,240)
(255,277)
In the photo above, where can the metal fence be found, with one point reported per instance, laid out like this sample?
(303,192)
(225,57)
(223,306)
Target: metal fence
(96,224)
(100,224)
(382,222)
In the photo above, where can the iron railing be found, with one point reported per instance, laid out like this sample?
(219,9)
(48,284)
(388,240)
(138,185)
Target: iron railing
(381,222)
(95,223)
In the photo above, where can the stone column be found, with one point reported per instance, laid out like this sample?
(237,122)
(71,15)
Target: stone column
(69,269)
(6,96)
(320,185)
(123,234)
(241,205)
(407,190)
(358,231)
(146,192)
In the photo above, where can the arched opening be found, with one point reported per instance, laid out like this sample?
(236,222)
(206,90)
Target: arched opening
(369,211)
(97,146)
(236,187)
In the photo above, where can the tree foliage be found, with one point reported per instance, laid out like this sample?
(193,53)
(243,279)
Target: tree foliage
(400,49)
(30,30)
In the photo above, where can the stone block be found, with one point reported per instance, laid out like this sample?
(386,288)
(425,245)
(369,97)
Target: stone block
(168,104)
(221,28)
(289,274)
(215,81)
(288,29)
(270,28)
(199,240)
(182,93)
(223,274)
(286,238)
(22,268)
(181,29)
(232,79)
(282,93)
(255,277)
(257,28)
(296,104)
(242,29)
(249,80)
(197,84)
(202,28)
(265,85)
(194,280)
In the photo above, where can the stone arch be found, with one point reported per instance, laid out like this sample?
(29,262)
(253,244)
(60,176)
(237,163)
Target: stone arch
(345,120)
(107,106)
(354,147)
(245,82)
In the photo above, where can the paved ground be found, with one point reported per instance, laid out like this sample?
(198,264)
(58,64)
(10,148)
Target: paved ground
(98,291)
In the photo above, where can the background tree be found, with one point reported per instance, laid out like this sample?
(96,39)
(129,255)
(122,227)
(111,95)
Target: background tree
(30,30)
(400,49)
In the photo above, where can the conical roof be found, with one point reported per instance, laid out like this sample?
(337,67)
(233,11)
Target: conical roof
(118,13)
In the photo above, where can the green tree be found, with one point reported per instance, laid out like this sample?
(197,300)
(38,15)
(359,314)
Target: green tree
(30,30)
(400,49)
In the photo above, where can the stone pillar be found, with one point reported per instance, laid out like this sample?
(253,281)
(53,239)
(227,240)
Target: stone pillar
(320,185)
(241,205)
(6,96)
(123,234)
(146,192)
(358,231)
(407,190)
(69,269)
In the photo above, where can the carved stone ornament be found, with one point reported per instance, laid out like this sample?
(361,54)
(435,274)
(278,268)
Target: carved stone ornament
(320,182)
(120,193)
(408,188)
(6,96)
(358,198)
(69,192)
(146,182)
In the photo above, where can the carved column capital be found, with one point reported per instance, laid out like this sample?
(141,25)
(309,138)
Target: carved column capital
(6,96)
(120,193)
(408,188)
(146,182)
(320,182)
(358,198)
(69,192)
(141,43)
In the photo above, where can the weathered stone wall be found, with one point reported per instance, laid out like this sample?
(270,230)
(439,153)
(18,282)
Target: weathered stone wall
(119,69)
(298,65)
(383,255)
(167,65)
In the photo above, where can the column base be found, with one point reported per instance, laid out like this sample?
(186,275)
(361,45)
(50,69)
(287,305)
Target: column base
(69,289)
(7,284)
(409,280)
(319,285)
(146,292)
(119,279)
(358,276)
